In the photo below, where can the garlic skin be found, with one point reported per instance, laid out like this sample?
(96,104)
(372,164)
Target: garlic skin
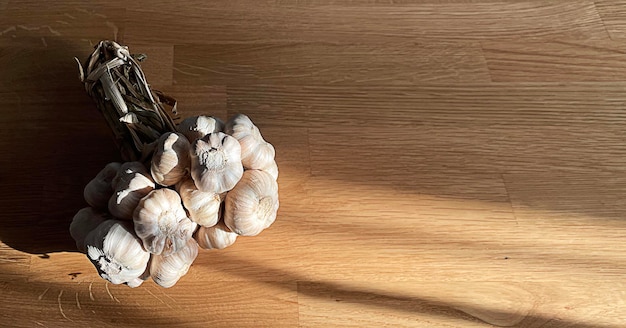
(170,162)
(116,252)
(203,207)
(161,222)
(256,153)
(215,237)
(197,127)
(252,205)
(85,221)
(216,163)
(98,191)
(167,270)
(131,183)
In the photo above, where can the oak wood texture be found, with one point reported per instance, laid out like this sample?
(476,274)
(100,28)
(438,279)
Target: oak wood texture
(443,163)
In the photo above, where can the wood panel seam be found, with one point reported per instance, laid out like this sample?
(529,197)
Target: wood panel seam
(606,29)
(508,197)
(486,61)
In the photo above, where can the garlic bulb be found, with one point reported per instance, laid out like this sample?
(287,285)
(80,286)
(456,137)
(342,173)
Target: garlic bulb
(170,162)
(127,171)
(216,163)
(196,127)
(167,270)
(252,205)
(85,221)
(203,207)
(215,237)
(256,153)
(161,222)
(131,183)
(139,280)
(272,169)
(98,191)
(116,252)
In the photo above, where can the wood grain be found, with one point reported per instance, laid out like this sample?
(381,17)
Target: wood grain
(443,163)
(244,22)
(322,63)
(555,61)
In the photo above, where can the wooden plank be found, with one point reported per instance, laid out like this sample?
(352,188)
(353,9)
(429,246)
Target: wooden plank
(245,23)
(158,64)
(389,130)
(466,304)
(414,190)
(96,303)
(559,61)
(81,22)
(197,100)
(330,64)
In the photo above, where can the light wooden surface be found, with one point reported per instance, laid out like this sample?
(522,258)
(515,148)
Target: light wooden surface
(456,163)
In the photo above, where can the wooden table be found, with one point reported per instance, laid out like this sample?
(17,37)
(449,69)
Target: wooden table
(442,163)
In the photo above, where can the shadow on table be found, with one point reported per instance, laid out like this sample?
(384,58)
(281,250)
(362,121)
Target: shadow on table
(53,142)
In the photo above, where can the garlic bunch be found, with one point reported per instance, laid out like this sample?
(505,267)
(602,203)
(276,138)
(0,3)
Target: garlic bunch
(202,188)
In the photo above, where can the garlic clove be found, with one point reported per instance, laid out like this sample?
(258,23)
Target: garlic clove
(215,237)
(252,205)
(161,222)
(133,182)
(98,191)
(216,163)
(116,252)
(203,207)
(256,153)
(196,127)
(167,270)
(170,162)
(85,221)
